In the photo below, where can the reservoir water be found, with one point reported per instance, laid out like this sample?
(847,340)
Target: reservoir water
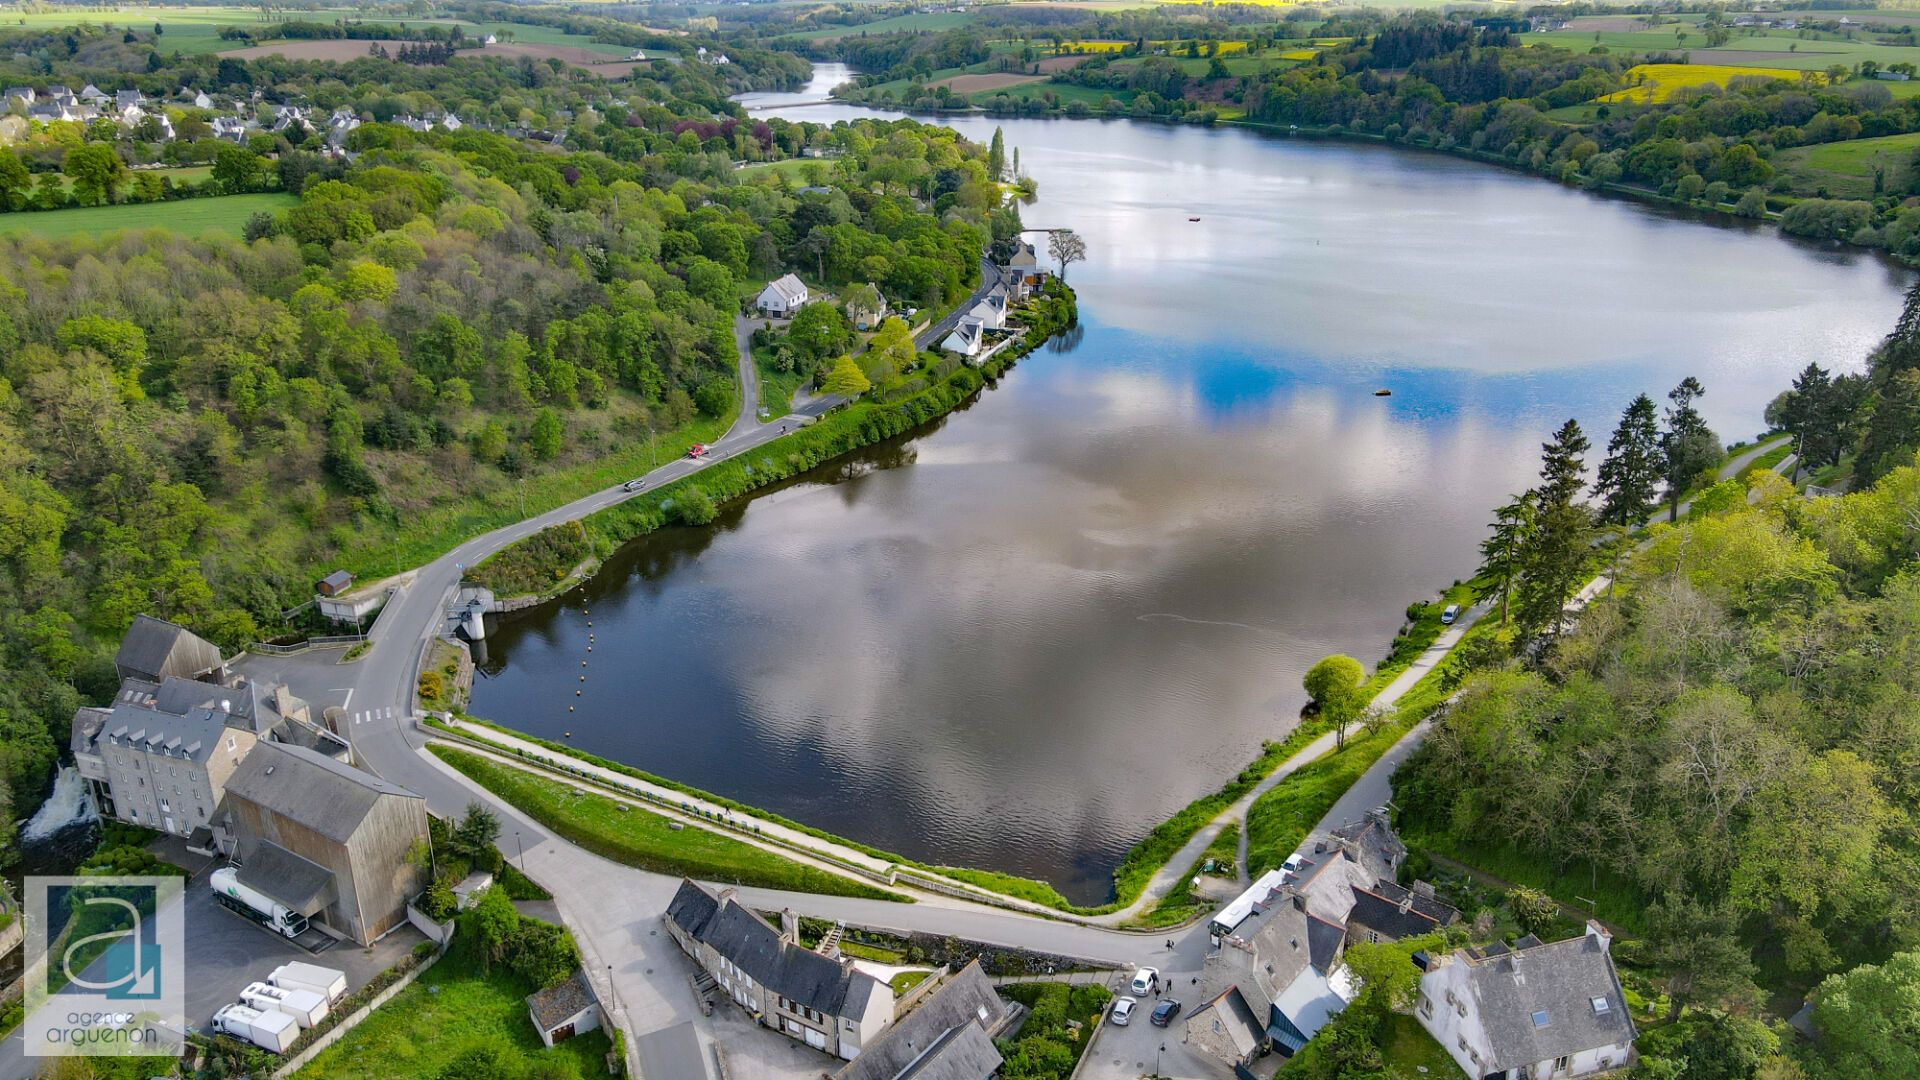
(1021,638)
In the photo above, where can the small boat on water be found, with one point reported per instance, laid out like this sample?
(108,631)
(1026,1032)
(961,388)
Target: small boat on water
(1383,393)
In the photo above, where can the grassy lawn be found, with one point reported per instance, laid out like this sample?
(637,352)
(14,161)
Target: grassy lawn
(1846,169)
(647,840)
(1182,903)
(1425,631)
(452,1009)
(798,170)
(1411,1053)
(862,951)
(1064,93)
(226,214)
(907,980)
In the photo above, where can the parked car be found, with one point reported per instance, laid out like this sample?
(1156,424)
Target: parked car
(1452,613)
(633,485)
(1144,980)
(1164,1013)
(1123,1010)
(699,450)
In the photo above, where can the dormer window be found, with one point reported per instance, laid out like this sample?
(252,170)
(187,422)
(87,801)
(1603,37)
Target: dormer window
(1540,1019)
(1601,1007)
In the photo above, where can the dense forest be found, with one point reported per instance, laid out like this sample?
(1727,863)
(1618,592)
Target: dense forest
(199,428)
(1723,743)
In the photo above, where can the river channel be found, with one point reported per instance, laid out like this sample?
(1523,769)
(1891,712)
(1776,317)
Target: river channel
(1021,638)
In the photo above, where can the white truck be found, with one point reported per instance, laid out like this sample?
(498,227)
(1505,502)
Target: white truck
(273,1031)
(331,985)
(256,905)
(306,1007)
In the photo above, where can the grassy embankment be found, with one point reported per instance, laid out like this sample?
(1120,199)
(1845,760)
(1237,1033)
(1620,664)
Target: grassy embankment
(225,213)
(638,837)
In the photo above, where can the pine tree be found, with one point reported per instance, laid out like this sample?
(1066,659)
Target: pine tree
(1503,554)
(1689,447)
(1555,558)
(1629,477)
(997,156)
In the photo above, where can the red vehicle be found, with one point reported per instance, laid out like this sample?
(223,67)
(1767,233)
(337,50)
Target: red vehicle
(699,450)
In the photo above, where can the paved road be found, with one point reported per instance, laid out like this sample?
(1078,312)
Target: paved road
(933,335)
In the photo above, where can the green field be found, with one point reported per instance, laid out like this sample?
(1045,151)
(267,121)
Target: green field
(1846,169)
(933,20)
(183,29)
(1772,48)
(452,1009)
(644,839)
(227,214)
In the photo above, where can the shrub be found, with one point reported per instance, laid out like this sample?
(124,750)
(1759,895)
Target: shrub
(694,507)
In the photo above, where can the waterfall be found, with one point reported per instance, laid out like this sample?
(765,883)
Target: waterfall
(67,805)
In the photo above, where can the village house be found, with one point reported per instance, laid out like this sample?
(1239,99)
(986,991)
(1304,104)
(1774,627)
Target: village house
(866,306)
(782,297)
(94,95)
(1226,1029)
(23,96)
(949,1034)
(968,335)
(828,1004)
(990,311)
(1284,962)
(1533,1011)
(323,838)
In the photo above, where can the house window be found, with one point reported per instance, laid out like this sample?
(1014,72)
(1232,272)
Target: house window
(1373,938)
(1426,1006)
(1560,1063)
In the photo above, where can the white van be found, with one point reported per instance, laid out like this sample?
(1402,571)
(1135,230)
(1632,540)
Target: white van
(1448,616)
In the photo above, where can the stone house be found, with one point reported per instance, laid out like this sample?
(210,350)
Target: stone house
(828,1004)
(561,1012)
(1285,963)
(948,1035)
(1532,1011)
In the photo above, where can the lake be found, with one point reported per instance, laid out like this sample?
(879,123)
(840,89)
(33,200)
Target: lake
(1020,639)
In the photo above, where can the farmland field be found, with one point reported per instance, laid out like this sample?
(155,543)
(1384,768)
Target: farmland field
(1659,81)
(969,84)
(183,29)
(933,20)
(1846,169)
(225,214)
(342,50)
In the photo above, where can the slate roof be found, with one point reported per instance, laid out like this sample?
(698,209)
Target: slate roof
(673,1053)
(961,1053)
(155,649)
(298,884)
(320,793)
(1324,940)
(1562,980)
(929,1034)
(800,975)
(191,737)
(1235,1018)
(557,1004)
(1379,909)
(787,287)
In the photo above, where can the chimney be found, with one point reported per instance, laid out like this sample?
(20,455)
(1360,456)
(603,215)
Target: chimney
(789,924)
(1595,930)
(726,895)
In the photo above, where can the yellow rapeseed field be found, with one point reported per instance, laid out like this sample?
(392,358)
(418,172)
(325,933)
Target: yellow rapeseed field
(1299,54)
(1657,82)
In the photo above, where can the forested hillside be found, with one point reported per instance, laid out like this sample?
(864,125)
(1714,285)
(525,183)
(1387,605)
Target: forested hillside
(444,331)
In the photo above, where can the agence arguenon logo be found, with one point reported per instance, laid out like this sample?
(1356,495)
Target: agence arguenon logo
(105,957)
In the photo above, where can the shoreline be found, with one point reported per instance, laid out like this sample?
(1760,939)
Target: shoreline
(1721,215)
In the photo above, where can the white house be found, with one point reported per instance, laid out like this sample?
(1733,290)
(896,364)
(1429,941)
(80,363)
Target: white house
(782,297)
(1535,1011)
(867,307)
(966,338)
(991,311)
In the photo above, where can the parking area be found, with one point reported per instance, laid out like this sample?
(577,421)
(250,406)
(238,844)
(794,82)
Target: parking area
(1143,1050)
(226,952)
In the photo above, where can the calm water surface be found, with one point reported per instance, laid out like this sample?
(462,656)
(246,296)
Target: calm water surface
(1020,639)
